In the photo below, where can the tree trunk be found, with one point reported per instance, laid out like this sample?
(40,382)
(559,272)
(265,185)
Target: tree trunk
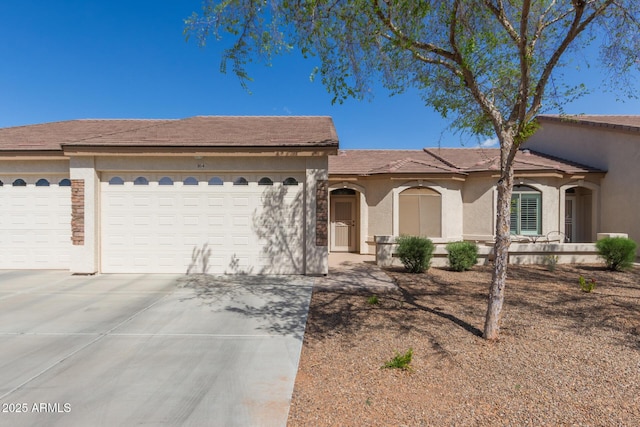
(501,251)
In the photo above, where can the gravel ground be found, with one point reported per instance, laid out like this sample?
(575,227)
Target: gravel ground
(564,357)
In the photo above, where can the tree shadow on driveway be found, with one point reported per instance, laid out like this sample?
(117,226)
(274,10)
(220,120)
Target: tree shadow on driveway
(279,303)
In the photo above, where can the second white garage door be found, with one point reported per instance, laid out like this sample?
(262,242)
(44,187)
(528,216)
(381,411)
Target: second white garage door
(35,222)
(186,223)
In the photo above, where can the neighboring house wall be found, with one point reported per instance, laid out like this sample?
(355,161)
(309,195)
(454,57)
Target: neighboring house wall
(607,148)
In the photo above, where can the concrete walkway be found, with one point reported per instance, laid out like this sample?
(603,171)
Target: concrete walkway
(354,272)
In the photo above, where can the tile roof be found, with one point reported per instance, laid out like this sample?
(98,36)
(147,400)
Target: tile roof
(443,160)
(370,162)
(630,123)
(199,131)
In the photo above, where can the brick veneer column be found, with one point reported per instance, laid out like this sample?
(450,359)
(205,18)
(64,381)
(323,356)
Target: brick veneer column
(77,212)
(322,212)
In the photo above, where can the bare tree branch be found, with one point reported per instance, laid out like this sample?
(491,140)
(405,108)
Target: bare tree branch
(577,26)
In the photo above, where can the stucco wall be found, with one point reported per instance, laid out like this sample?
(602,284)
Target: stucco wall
(616,152)
(203,163)
(19,168)
(468,208)
(381,195)
(478,200)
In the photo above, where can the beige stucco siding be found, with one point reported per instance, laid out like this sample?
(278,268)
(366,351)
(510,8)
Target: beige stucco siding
(478,200)
(19,168)
(382,204)
(202,163)
(616,152)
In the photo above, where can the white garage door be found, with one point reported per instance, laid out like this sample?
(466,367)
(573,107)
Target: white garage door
(187,223)
(35,222)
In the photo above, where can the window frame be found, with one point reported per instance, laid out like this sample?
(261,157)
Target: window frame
(523,215)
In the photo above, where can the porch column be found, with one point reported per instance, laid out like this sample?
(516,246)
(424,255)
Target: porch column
(316,216)
(85,191)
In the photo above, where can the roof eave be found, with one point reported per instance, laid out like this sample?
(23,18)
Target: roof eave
(31,154)
(189,150)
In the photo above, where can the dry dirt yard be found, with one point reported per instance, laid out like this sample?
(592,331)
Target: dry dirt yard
(564,358)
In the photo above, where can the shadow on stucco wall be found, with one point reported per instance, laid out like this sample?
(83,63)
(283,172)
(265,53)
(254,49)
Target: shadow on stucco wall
(279,225)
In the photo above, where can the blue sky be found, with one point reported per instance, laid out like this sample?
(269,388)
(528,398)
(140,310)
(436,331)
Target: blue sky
(72,59)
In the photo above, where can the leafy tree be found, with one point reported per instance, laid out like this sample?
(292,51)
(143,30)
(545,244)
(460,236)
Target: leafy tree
(487,65)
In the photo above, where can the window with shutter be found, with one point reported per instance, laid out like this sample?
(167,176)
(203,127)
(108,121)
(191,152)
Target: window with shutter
(526,211)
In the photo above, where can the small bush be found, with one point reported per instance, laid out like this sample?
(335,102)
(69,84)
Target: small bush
(587,286)
(462,255)
(551,261)
(618,253)
(400,361)
(373,300)
(415,253)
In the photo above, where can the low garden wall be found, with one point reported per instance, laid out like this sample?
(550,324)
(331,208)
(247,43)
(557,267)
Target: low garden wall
(519,253)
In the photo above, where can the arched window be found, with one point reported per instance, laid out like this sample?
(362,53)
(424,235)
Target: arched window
(265,181)
(240,181)
(116,180)
(215,181)
(65,182)
(165,180)
(190,181)
(1,184)
(19,183)
(526,211)
(420,212)
(290,181)
(343,192)
(141,180)
(42,183)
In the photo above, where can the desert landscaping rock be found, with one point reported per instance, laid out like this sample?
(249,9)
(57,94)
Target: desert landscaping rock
(564,357)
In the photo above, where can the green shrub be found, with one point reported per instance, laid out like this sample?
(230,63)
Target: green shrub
(587,286)
(462,255)
(618,253)
(373,300)
(400,361)
(415,253)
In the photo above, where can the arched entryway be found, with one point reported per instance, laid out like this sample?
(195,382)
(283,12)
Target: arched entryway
(579,214)
(346,220)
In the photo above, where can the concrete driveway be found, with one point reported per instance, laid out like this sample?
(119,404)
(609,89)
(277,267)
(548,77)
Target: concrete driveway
(127,350)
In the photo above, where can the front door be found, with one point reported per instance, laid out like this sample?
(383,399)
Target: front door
(343,223)
(570,219)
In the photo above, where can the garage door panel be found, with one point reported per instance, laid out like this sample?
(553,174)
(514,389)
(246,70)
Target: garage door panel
(35,225)
(203,228)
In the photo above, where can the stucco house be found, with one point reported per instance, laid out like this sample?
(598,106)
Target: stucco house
(449,194)
(274,195)
(610,143)
(202,194)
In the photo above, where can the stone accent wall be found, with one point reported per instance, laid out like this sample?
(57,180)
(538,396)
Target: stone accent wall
(77,212)
(322,212)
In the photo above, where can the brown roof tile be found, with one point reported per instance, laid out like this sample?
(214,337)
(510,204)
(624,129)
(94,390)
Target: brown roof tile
(372,162)
(443,160)
(201,131)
